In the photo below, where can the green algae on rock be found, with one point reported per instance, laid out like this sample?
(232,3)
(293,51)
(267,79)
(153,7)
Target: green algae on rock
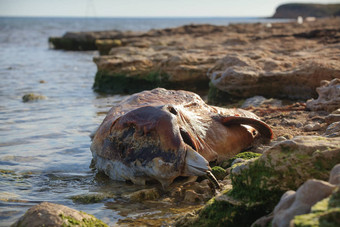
(71,44)
(122,84)
(324,213)
(288,164)
(218,172)
(244,155)
(50,214)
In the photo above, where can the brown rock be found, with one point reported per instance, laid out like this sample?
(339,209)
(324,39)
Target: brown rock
(145,194)
(331,118)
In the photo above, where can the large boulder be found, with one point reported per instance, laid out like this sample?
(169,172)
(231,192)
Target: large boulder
(259,183)
(50,214)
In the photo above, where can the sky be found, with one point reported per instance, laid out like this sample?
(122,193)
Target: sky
(144,8)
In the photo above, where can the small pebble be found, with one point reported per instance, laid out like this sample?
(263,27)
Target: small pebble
(312,127)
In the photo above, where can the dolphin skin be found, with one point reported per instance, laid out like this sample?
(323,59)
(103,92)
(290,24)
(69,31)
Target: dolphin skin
(163,134)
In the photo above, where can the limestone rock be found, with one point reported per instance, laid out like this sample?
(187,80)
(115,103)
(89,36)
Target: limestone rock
(151,67)
(305,200)
(288,164)
(301,202)
(329,97)
(50,214)
(259,72)
(104,46)
(324,213)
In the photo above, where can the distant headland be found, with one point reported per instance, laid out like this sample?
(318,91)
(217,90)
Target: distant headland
(294,10)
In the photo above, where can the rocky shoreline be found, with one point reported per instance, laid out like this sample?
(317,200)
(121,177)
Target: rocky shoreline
(282,60)
(294,180)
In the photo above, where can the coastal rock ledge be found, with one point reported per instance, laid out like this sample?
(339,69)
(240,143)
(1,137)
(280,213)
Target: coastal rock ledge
(274,60)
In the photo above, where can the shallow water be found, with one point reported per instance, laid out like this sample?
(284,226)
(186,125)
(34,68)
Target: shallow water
(44,145)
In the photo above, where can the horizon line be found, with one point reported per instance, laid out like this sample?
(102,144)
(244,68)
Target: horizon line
(122,17)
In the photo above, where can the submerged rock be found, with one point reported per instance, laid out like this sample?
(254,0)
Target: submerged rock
(50,214)
(88,198)
(329,97)
(145,194)
(32,97)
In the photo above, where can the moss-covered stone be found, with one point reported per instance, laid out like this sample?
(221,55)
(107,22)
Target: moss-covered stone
(85,222)
(324,213)
(233,212)
(218,172)
(50,214)
(32,97)
(244,155)
(88,198)
(122,84)
(63,43)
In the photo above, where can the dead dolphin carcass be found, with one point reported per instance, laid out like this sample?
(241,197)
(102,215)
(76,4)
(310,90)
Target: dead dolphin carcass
(162,134)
